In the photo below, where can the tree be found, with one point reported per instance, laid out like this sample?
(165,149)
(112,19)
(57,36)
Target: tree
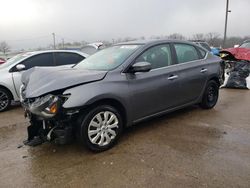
(4,47)
(199,36)
(213,39)
(176,36)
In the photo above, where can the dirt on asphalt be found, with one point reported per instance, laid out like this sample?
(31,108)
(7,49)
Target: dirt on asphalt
(187,148)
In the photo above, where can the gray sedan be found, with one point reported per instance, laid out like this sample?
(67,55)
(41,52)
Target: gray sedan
(115,88)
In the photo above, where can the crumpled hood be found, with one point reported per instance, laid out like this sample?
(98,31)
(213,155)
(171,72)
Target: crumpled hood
(236,53)
(41,80)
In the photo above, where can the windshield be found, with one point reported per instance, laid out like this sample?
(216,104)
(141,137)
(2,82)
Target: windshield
(14,60)
(109,58)
(245,45)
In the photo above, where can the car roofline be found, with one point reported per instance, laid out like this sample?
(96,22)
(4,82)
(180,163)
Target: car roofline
(48,51)
(153,41)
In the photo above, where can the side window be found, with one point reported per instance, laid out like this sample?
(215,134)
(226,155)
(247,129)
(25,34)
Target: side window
(202,52)
(40,60)
(158,56)
(186,53)
(65,58)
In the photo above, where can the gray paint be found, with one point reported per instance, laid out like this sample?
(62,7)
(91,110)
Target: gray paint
(142,94)
(42,80)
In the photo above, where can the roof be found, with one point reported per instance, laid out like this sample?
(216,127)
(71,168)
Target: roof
(151,41)
(46,51)
(197,40)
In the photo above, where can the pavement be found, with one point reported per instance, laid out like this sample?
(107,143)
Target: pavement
(187,148)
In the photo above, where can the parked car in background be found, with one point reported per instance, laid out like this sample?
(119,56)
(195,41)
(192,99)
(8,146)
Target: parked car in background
(92,48)
(117,87)
(2,61)
(237,63)
(245,44)
(12,69)
(205,45)
(238,53)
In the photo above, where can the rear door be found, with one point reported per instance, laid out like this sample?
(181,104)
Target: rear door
(154,91)
(67,58)
(41,60)
(192,71)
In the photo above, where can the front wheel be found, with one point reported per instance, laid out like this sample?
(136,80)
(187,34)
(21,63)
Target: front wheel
(5,99)
(100,128)
(210,96)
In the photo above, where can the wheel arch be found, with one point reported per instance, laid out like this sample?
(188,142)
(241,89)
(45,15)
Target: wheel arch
(114,103)
(216,79)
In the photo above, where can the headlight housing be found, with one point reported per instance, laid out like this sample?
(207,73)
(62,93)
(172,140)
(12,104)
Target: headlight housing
(46,106)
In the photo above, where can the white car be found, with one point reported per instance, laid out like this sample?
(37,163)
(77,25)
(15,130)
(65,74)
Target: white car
(92,48)
(11,71)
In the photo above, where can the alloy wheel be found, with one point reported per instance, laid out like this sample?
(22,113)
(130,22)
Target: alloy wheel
(102,128)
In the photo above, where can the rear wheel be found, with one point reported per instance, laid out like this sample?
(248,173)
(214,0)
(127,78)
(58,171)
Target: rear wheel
(5,99)
(100,128)
(210,96)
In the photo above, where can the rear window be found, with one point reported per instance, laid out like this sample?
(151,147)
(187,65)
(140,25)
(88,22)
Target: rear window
(202,52)
(186,53)
(66,58)
(205,45)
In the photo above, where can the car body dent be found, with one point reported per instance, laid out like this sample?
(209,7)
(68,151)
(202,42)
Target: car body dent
(42,80)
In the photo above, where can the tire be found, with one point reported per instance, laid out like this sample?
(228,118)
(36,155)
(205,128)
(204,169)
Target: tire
(93,124)
(210,96)
(5,99)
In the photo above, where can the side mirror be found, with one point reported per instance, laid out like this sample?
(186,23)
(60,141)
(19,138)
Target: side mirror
(20,67)
(140,67)
(236,46)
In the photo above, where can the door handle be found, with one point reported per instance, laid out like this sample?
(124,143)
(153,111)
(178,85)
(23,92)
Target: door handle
(203,70)
(172,77)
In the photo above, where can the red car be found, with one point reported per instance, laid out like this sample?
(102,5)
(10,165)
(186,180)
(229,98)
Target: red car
(2,61)
(242,52)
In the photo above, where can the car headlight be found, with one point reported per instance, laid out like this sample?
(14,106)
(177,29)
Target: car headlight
(46,106)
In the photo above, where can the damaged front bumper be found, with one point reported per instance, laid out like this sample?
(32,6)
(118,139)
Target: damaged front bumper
(49,121)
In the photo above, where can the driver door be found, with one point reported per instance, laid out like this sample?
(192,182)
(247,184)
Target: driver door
(154,91)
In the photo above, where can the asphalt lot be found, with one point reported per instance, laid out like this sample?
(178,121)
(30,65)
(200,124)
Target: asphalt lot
(187,148)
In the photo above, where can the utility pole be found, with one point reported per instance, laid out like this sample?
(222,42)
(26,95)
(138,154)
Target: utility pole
(54,40)
(225,30)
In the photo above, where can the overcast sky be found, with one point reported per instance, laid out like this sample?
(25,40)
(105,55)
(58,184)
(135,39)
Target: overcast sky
(29,23)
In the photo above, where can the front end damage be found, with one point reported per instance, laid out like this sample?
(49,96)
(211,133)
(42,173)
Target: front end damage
(49,121)
(42,97)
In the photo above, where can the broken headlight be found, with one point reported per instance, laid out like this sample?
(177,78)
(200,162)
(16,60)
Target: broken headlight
(46,106)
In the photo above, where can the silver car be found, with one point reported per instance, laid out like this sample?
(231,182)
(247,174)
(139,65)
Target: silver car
(11,71)
(117,87)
